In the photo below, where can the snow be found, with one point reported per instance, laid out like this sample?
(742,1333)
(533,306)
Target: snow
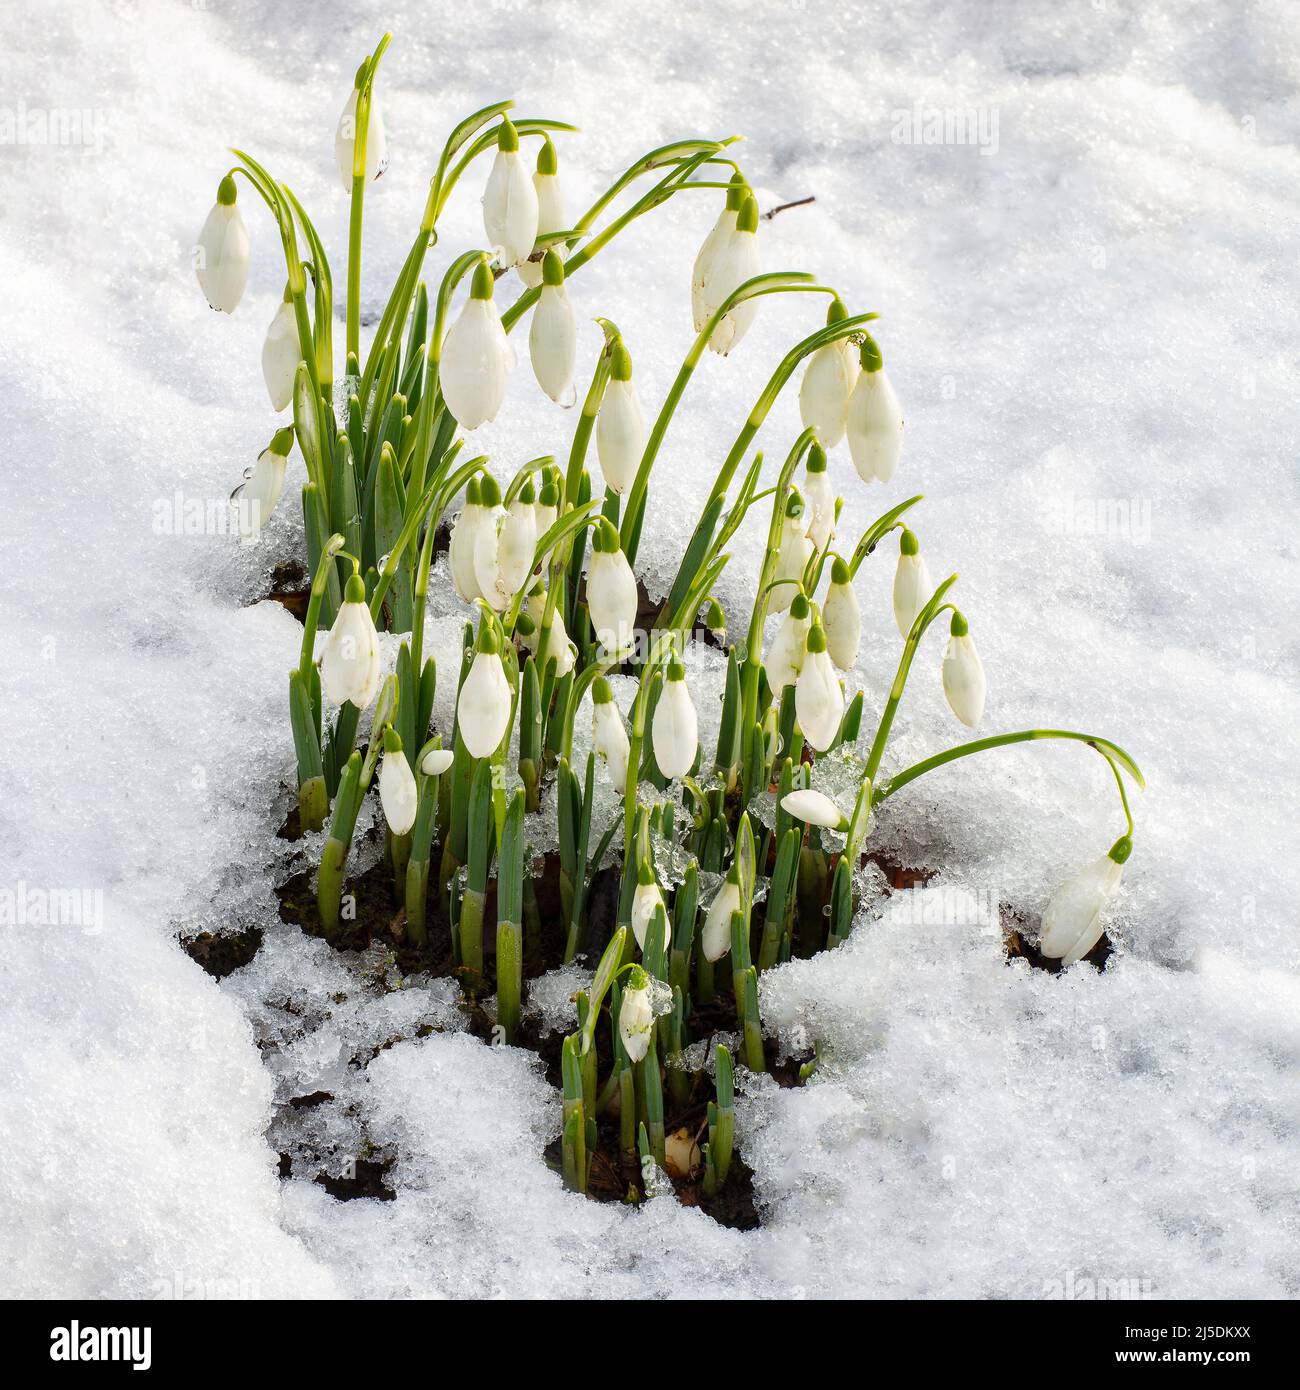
(1097,308)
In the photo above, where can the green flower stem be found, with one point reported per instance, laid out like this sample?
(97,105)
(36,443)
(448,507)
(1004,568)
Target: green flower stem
(510,938)
(329,881)
(722,1121)
(573,1142)
(480,853)
(358,197)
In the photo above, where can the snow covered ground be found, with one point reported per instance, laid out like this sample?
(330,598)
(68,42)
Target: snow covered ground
(1090,316)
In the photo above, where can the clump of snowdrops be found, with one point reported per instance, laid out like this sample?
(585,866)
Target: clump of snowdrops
(730,861)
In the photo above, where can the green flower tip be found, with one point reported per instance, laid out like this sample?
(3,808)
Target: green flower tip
(363,72)
(525,626)
(528,493)
(601,694)
(392,740)
(676,671)
(908,543)
(226,191)
(737,191)
(547,163)
(488,641)
(715,619)
(839,572)
(645,874)
(472,493)
(356,590)
(621,365)
(870,356)
(636,977)
(489,494)
(748,219)
(799,607)
(817,638)
(794,504)
(282,442)
(552,268)
(816,458)
(606,538)
(1121,850)
(507,136)
(836,313)
(483,285)
(959,626)
(550,493)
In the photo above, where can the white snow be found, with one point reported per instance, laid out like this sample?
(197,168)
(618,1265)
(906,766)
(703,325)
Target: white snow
(1096,309)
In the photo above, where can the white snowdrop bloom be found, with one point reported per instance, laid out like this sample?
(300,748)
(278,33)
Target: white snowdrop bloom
(875,420)
(636,1018)
(785,657)
(735,261)
(842,617)
(546,511)
(255,498)
(552,209)
(553,335)
(912,583)
(464,535)
(963,674)
(504,544)
(345,140)
(719,235)
(510,210)
(1072,924)
(644,903)
(674,731)
(487,544)
(398,794)
(795,552)
(620,426)
(608,736)
(436,761)
(819,500)
(350,666)
(559,648)
(814,808)
(828,383)
(611,591)
(222,253)
(534,611)
(281,355)
(483,705)
(818,699)
(715,935)
(477,358)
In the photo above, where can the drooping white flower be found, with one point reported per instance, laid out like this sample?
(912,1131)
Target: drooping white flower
(530,626)
(552,211)
(436,761)
(828,383)
(842,617)
(875,420)
(398,794)
(645,901)
(553,335)
(819,500)
(510,210)
(464,534)
(735,260)
(345,140)
(814,808)
(477,358)
(963,674)
(222,253)
(1072,924)
(256,497)
(674,731)
(912,583)
(483,705)
(715,935)
(504,544)
(785,657)
(620,426)
(818,699)
(795,551)
(350,666)
(611,591)
(636,1018)
(608,736)
(280,355)
(559,647)
(719,235)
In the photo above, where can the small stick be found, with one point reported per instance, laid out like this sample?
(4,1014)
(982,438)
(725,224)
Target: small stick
(798,203)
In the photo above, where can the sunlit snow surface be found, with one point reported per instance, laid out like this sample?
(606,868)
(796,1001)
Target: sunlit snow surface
(1099,306)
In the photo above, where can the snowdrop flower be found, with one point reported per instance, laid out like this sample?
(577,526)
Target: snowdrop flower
(397,790)
(547,509)
(529,625)
(716,622)
(256,497)
(608,736)
(221,256)
(345,137)
(611,591)
(281,355)
(912,583)
(552,212)
(349,667)
(620,426)
(644,902)
(795,551)
(510,210)
(436,761)
(674,731)
(818,699)
(464,534)
(558,647)
(735,261)
(483,705)
(841,617)
(819,499)
(875,420)
(636,1017)
(815,808)
(963,674)
(785,657)
(719,235)
(553,336)
(715,935)
(504,543)
(828,384)
(1072,924)
(477,358)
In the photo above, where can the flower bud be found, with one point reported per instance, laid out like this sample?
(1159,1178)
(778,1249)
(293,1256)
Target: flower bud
(553,335)
(552,213)
(483,705)
(477,358)
(785,658)
(875,420)
(222,254)
(842,617)
(815,808)
(818,698)
(644,902)
(912,583)
(255,499)
(674,731)
(963,674)
(827,386)
(608,736)
(819,500)
(510,210)
(735,261)
(436,761)
(795,552)
(398,794)
(281,355)
(611,591)
(715,935)
(350,665)
(1072,924)
(636,1016)
(460,553)
(620,426)
(345,140)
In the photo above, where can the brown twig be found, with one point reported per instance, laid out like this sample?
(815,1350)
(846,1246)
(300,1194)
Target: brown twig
(798,203)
